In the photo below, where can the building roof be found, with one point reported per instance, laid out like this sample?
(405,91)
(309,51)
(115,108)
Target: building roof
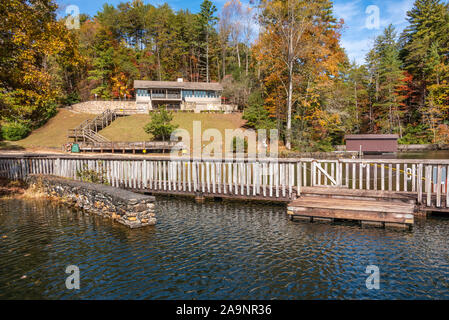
(371,136)
(144,84)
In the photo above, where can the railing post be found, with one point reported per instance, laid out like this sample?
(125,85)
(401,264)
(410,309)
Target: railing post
(57,171)
(313,172)
(419,183)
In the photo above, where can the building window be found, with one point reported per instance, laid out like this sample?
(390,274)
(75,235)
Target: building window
(158,93)
(142,92)
(200,94)
(187,93)
(211,94)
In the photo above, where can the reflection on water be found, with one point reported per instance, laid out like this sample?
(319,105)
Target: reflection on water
(214,251)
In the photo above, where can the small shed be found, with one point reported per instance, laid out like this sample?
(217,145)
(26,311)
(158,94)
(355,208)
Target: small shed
(374,143)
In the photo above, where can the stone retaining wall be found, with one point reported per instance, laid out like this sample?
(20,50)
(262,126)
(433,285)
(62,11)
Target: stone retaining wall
(126,207)
(97,107)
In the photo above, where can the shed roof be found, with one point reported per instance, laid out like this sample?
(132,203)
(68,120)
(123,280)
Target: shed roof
(371,136)
(144,84)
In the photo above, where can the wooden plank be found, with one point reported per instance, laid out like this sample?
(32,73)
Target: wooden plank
(375,169)
(219,176)
(406,177)
(270,175)
(368,176)
(304,176)
(361,175)
(447,186)
(390,177)
(429,185)
(203,180)
(347,174)
(264,178)
(194,176)
(438,185)
(402,218)
(353,205)
(282,178)
(290,177)
(189,178)
(419,182)
(235,173)
(276,178)
(354,178)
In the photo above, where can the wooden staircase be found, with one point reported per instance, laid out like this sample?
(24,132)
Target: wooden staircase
(87,131)
(377,208)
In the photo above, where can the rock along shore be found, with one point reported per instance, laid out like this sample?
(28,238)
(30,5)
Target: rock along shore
(126,207)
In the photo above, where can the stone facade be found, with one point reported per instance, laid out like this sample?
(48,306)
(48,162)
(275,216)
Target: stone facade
(126,207)
(97,107)
(144,106)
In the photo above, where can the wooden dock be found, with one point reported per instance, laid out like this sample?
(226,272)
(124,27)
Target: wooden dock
(131,147)
(384,192)
(394,212)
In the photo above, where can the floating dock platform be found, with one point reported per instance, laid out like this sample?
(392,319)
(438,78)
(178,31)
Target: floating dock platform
(382,210)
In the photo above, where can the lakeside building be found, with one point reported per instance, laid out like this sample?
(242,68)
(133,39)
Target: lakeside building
(180,95)
(372,143)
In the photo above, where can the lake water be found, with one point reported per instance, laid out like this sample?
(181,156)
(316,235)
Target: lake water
(215,250)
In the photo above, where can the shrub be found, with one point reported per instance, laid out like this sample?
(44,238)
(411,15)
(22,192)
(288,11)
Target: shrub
(256,115)
(239,145)
(91,175)
(416,134)
(14,131)
(160,125)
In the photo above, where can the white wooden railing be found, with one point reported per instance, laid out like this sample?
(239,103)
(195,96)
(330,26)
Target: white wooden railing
(280,179)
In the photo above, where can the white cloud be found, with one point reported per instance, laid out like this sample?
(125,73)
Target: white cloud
(357,49)
(347,11)
(397,12)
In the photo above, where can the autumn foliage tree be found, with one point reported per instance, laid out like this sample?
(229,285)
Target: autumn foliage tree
(299,54)
(38,59)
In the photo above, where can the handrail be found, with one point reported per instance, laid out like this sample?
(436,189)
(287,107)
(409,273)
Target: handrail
(425,182)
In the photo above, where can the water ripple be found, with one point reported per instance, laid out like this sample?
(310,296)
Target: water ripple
(214,251)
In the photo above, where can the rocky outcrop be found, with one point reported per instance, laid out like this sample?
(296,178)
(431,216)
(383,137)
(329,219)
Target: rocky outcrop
(126,207)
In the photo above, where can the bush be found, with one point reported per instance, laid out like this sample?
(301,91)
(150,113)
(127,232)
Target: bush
(416,134)
(160,125)
(90,175)
(14,131)
(256,115)
(71,98)
(239,145)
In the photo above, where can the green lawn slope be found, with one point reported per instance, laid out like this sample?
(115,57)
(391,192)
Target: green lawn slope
(130,128)
(54,133)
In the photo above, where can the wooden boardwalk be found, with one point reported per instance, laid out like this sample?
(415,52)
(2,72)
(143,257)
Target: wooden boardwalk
(392,182)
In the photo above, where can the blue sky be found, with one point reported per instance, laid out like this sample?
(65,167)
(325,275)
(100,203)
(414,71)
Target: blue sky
(357,35)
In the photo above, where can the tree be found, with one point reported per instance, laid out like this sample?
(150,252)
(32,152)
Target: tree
(207,21)
(38,56)
(160,125)
(299,54)
(256,115)
(385,68)
(428,26)
(285,24)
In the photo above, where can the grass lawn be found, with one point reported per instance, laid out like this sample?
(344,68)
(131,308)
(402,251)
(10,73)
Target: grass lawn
(51,135)
(130,128)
